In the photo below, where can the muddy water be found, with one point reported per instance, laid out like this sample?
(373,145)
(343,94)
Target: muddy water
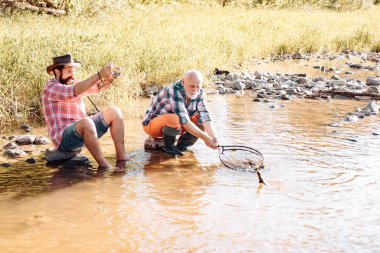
(323,193)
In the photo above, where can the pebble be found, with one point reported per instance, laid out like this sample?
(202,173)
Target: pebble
(31,160)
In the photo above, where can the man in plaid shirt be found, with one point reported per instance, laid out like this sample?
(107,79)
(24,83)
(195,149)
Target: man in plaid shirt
(180,109)
(68,126)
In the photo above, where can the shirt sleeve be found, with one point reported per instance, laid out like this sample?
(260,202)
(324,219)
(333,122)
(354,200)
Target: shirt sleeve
(204,115)
(180,109)
(93,90)
(59,92)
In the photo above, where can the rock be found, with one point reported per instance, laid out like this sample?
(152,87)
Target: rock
(6,165)
(320,79)
(350,139)
(41,141)
(338,82)
(221,89)
(249,85)
(26,128)
(56,155)
(76,161)
(257,100)
(301,75)
(154,144)
(31,160)
(11,138)
(355,66)
(302,80)
(316,67)
(297,56)
(153,90)
(349,73)
(291,91)
(232,77)
(266,101)
(360,115)
(372,89)
(285,97)
(14,153)
(371,81)
(351,118)
(10,145)
(257,74)
(375,133)
(25,139)
(235,85)
(372,107)
(335,77)
(335,124)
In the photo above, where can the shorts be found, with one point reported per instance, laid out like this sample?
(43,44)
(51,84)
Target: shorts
(72,141)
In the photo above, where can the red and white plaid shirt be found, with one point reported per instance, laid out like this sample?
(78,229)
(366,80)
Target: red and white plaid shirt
(62,108)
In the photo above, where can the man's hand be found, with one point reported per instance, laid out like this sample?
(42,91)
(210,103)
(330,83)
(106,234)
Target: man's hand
(106,71)
(211,142)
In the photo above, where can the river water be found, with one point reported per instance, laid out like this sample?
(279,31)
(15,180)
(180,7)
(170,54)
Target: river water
(322,196)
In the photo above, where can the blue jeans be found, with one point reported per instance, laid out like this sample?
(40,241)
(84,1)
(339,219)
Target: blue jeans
(72,141)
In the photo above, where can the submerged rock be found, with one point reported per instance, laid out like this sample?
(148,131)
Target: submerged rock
(6,165)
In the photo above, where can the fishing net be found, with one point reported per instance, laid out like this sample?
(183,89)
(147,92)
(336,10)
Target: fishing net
(238,157)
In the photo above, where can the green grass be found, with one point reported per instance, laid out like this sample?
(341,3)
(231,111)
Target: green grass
(159,47)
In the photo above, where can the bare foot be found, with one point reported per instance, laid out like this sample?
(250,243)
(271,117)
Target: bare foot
(104,166)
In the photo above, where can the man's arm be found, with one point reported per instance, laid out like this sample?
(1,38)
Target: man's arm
(210,131)
(194,130)
(85,85)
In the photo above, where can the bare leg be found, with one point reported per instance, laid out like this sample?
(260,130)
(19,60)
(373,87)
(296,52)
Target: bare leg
(114,118)
(86,129)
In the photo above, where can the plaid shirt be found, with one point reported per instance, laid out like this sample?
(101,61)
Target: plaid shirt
(172,99)
(62,108)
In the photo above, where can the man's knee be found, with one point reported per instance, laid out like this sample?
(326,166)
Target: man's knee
(172,120)
(86,125)
(112,113)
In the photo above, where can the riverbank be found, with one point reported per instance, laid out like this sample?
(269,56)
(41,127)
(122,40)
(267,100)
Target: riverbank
(155,46)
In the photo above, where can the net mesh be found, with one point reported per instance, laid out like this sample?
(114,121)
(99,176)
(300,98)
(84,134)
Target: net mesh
(241,158)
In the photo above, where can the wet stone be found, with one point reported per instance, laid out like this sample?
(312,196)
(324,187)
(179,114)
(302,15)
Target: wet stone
(154,144)
(375,133)
(5,165)
(355,66)
(56,155)
(31,160)
(349,73)
(257,100)
(285,97)
(10,145)
(372,89)
(335,77)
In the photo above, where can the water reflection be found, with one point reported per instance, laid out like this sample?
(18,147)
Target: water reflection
(323,193)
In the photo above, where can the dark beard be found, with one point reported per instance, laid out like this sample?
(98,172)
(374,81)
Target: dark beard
(64,81)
